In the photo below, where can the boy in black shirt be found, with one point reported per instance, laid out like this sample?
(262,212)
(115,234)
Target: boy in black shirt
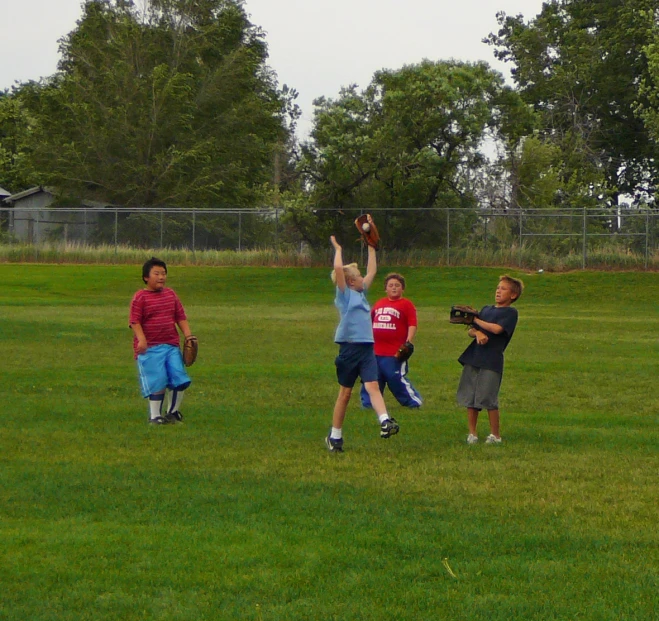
(483,360)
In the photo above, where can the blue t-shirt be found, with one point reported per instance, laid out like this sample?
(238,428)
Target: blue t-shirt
(355,325)
(490,355)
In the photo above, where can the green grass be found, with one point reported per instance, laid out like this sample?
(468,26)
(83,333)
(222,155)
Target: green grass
(241,513)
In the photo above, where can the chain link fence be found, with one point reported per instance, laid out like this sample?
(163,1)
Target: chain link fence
(450,235)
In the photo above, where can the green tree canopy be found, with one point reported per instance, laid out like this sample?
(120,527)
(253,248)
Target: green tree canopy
(580,65)
(15,144)
(170,104)
(410,140)
(405,139)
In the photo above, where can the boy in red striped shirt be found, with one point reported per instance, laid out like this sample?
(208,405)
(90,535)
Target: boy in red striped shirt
(155,312)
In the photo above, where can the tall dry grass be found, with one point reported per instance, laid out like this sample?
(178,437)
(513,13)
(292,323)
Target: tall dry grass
(529,258)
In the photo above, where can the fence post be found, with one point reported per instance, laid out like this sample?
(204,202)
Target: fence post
(448,236)
(585,240)
(240,230)
(487,220)
(36,239)
(647,236)
(161,229)
(521,216)
(116,230)
(277,232)
(194,228)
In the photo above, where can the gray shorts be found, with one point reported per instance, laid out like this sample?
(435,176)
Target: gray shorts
(479,388)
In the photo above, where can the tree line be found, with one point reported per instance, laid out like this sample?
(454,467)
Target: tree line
(172,104)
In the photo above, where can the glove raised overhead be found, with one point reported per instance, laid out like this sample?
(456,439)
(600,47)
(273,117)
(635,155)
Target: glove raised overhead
(368,230)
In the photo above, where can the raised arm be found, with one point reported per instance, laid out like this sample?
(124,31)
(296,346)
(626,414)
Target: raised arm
(371,268)
(338,264)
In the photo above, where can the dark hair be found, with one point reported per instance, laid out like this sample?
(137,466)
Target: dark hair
(399,277)
(151,263)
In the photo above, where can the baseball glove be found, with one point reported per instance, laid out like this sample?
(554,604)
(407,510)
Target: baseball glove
(404,352)
(462,313)
(190,349)
(368,230)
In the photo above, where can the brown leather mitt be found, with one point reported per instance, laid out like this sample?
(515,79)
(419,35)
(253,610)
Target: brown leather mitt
(463,313)
(368,230)
(404,352)
(190,349)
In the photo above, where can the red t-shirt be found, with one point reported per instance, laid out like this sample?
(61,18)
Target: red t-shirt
(157,312)
(391,319)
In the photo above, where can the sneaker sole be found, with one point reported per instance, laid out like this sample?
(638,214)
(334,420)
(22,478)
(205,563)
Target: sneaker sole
(391,432)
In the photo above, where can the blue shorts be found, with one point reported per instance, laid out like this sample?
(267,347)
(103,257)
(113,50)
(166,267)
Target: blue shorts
(356,360)
(161,367)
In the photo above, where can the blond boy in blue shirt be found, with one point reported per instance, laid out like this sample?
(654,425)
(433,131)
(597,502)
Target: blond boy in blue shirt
(354,335)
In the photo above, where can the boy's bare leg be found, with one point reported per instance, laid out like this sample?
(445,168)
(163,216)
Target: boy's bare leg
(494,422)
(472,420)
(341,406)
(377,400)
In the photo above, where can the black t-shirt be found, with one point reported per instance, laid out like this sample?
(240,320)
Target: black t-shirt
(490,355)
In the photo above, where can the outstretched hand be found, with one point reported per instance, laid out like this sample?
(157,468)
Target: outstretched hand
(336,244)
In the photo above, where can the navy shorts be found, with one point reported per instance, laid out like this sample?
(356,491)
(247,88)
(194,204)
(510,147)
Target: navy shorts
(356,360)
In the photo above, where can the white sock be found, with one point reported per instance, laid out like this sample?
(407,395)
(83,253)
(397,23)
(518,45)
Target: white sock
(383,417)
(336,434)
(175,400)
(155,405)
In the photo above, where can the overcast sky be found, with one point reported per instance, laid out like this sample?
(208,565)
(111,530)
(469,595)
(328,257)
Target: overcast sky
(316,46)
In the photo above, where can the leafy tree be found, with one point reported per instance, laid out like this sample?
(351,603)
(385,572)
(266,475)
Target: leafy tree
(648,107)
(408,141)
(15,144)
(579,64)
(172,104)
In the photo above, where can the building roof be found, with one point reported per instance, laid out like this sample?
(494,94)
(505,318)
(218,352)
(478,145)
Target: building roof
(4,193)
(12,198)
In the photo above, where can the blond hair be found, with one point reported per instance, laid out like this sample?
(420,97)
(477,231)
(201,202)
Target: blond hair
(349,271)
(516,285)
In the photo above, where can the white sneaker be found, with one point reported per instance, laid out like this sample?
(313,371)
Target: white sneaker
(492,439)
(472,439)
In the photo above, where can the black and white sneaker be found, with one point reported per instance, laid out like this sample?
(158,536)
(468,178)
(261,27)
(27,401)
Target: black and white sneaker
(389,428)
(335,445)
(174,417)
(158,420)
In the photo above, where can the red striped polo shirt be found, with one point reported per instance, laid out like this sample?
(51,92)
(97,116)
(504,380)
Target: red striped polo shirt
(157,312)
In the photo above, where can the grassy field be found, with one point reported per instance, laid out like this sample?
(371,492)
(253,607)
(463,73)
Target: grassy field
(241,513)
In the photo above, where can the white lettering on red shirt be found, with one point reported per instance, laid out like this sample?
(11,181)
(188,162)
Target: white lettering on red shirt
(391,321)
